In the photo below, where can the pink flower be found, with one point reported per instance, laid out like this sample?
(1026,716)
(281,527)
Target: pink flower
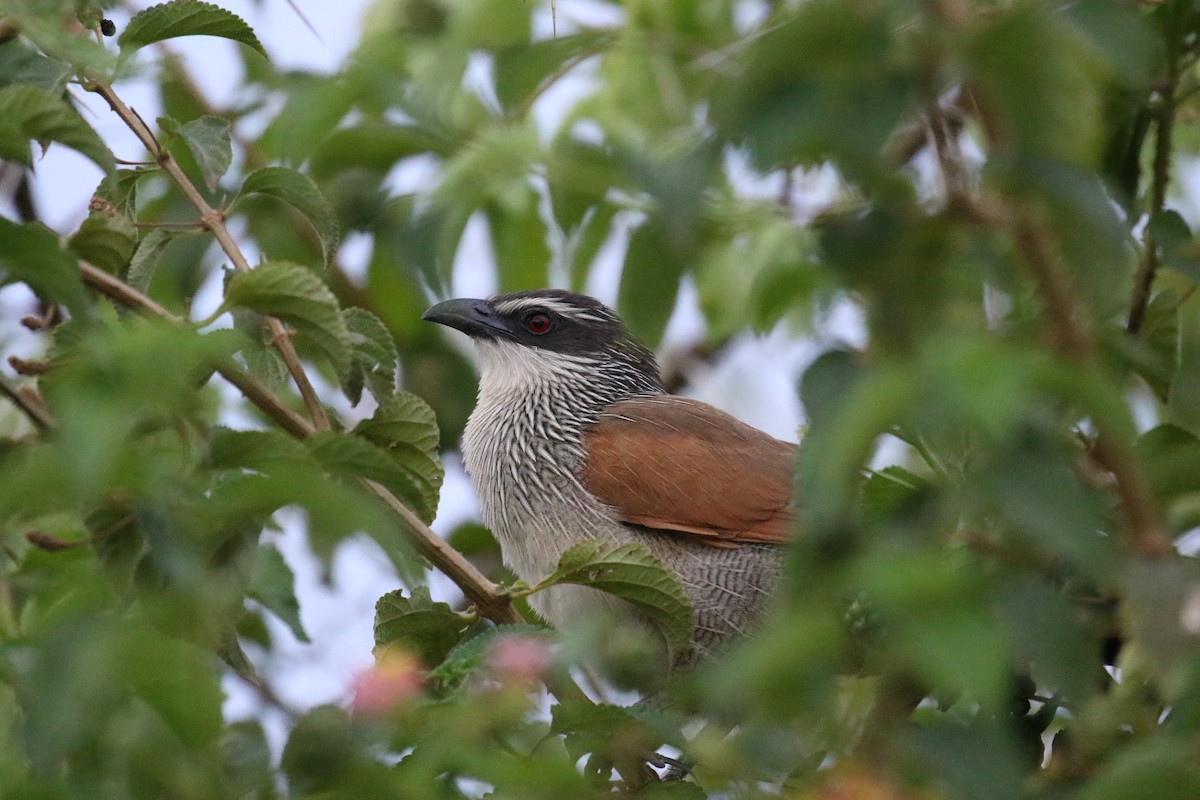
(396,678)
(520,659)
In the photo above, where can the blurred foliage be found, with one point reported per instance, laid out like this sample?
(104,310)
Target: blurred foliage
(1007,607)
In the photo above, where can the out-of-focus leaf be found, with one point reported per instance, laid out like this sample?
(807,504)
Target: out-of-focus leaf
(827,382)
(522,71)
(1160,768)
(298,191)
(295,295)
(612,733)
(104,240)
(470,654)
(1161,602)
(273,584)
(522,247)
(631,573)
(496,166)
(1027,97)
(249,757)
(888,490)
(261,451)
(27,112)
(21,64)
(180,681)
(1173,238)
(326,751)
(185,18)
(418,624)
(32,254)
(584,245)
(649,282)
(374,146)
(580,176)
(826,80)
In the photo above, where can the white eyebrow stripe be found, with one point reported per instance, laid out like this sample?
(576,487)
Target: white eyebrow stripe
(550,304)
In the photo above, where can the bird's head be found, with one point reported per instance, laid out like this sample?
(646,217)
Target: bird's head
(546,335)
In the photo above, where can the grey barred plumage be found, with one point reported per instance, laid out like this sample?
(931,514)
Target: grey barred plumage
(554,367)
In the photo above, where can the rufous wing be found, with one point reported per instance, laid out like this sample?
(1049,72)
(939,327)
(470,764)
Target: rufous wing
(676,464)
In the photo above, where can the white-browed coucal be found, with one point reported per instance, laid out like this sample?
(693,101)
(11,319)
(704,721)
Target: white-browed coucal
(573,437)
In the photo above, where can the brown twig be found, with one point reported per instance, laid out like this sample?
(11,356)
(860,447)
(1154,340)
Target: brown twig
(214,221)
(1075,337)
(29,404)
(1161,178)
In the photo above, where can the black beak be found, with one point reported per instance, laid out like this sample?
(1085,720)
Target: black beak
(475,318)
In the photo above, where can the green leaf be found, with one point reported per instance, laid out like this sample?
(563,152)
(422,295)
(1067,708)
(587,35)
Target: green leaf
(630,572)
(374,146)
(27,112)
(208,140)
(468,655)
(295,295)
(21,64)
(273,584)
(405,427)
(615,733)
(1173,238)
(1027,96)
(522,248)
(248,756)
(355,456)
(428,629)
(827,382)
(1160,768)
(260,451)
(146,257)
(181,682)
(888,490)
(32,254)
(185,18)
(105,241)
(298,191)
(649,282)
(118,189)
(374,358)
(523,71)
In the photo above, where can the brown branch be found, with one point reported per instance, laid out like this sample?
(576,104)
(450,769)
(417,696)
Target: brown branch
(475,585)
(29,404)
(1075,337)
(214,220)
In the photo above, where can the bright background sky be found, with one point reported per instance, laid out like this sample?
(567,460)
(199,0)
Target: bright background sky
(754,381)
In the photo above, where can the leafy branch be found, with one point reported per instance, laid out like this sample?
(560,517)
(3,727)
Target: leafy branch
(214,221)
(482,592)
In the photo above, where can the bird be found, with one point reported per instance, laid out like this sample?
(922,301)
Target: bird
(573,437)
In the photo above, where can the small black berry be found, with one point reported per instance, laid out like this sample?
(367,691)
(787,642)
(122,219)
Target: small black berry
(108,27)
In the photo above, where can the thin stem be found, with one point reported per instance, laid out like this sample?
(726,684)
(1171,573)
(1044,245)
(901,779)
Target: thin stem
(1160,180)
(29,405)
(171,225)
(214,221)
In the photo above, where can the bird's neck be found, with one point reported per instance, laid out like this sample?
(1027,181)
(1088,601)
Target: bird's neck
(524,441)
(561,390)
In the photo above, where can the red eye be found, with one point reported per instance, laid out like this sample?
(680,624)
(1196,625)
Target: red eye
(538,323)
